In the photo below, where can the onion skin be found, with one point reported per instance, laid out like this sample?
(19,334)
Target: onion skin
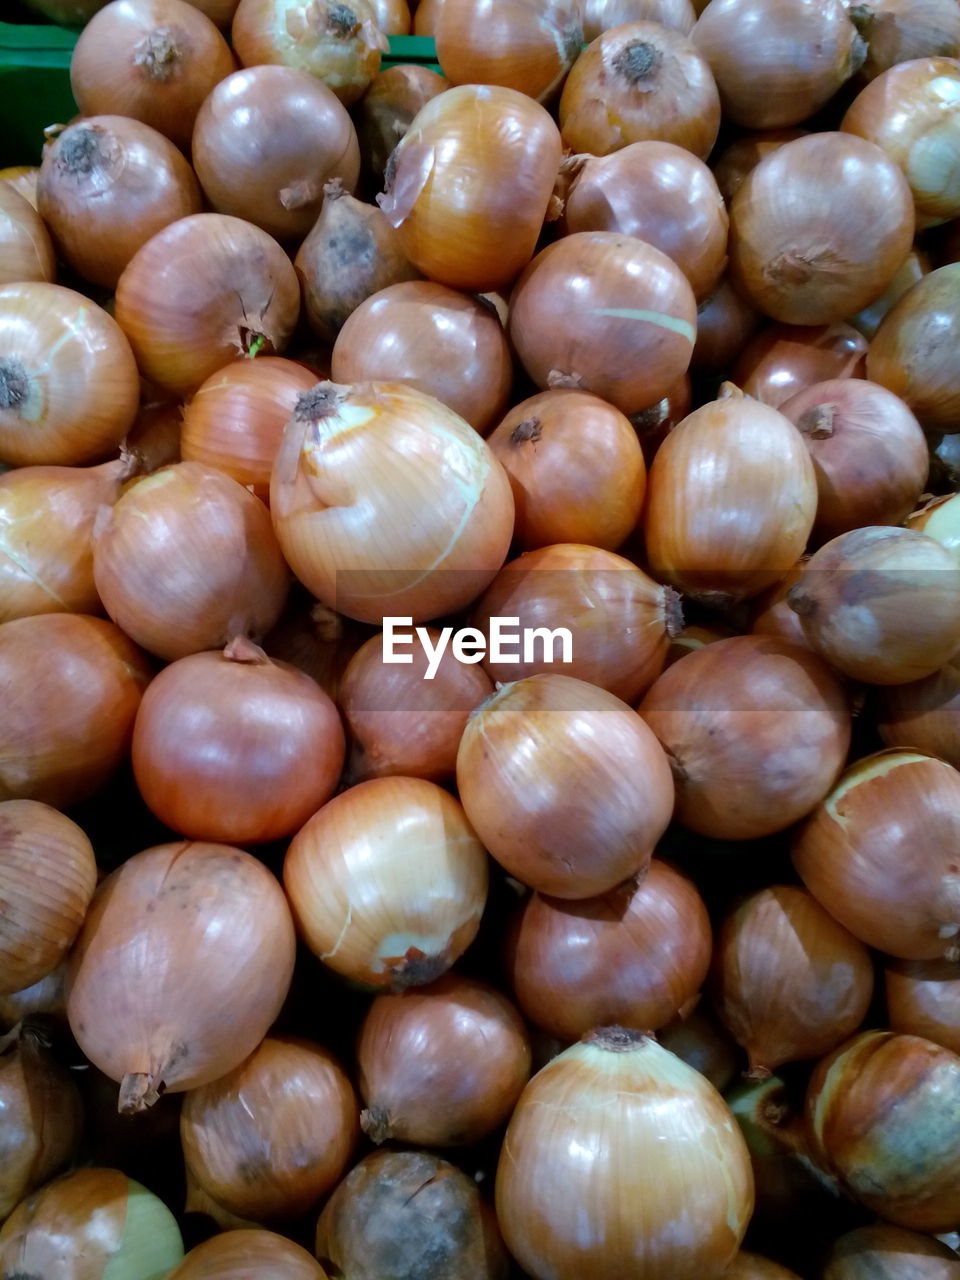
(566,1206)
(636,956)
(248,1255)
(923,715)
(725,323)
(47,998)
(940,519)
(384,113)
(399,1212)
(26,251)
(601,15)
(401,918)
(881,1112)
(772,616)
(782,360)
(565,819)
(878,853)
(923,999)
(884,1252)
(700,1042)
(271,1137)
(204,914)
(442,1065)
(750,1266)
(743,155)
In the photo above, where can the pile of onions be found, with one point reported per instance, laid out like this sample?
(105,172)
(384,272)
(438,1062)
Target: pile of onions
(620,1158)
(248,1255)
(636,956)
(923,715)
(235,747)
(881,1112)
(880,854)
(893,1252)
(564,784)
(26,251)
(388,882)
(187,560)
(441,1065)
(271,1137)
(354,463)
(756,731)
(784,359)
(923,999)
(207,918)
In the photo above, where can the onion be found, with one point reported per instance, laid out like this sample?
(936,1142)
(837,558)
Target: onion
(154,439)
(351,252)
(923,999)
(154,60)
(564,784)
(605,313)
(384,113)
(399,1212)
(743,155)
(442,1065)
(750,1266)
(939,519)
(392,16)
(576,1189)
(659,193)
(601,15)
(576,469)
(26,252)
(869,453)
(784,359)
(236,748)
(248,1255)
(219,11)
(314,639)
(882,1112)
(23,179)
(819,228)
(637,955)
(203,916)
(354,463)
(71,687)
(469,183)
(267,1140)
(923,715)
(265,142)
(756,732)
(388,882)
(337,43)
(695,637)
(915,267)
(725,323)
(700,1041)
(639,81)
(880,604)
(771,615)
(234,421)
(731,499)
(789,982)
(46,998)
(878,853)
(88,1224)
(434,338)
(76,408)
(202,291)
(399,721)
(890,1252)
(619,621)
(41,1117)
(901,30)
(760,88)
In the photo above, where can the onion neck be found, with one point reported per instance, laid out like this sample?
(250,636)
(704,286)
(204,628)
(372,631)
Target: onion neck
(416,968)
(817,423)
(158,54)
(342,21)
(320,402)
(672,613)
(241,649)
(375,1123)
(139,1090)
(82,151)
(527,430)
(638,63)
(14,384)
(617,1039)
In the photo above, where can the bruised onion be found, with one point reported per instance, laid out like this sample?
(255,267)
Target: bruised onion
(248,1255)
(388,882)
(26,252)
(207,917)
(564,784)
(784,359)
(923,999)
(441,1065)
(923,715)
(899,1254)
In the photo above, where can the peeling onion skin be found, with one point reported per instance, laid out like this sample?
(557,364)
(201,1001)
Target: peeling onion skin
(248,1255)
(384,113)
(882,1251)
(923,999)
(881,1113)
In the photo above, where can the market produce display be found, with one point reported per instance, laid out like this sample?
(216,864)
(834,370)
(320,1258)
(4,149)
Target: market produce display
(480,644)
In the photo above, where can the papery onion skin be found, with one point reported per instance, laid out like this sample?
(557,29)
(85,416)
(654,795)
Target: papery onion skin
(206,915)
(384,113)
(782,360)
(899,31)
(271,1137)
(890,1253)
(789,983)
(878,853)
(26,251)
(567,1205)
(600,15)
(248,1255)
(71,687)
(441,1065)
(756,731)
(565,785)
(923,999)
(635,957)
(923,715)
(388,882)
(881,1111)
(343,522)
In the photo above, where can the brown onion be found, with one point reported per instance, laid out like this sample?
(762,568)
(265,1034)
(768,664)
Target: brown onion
(205,916)
(441,1065)
(154,60)
(434,338)
(923,715)
(48,998)
(635,956)
(771,615)
(923,999)
(154,439)
(564,784)
(314,639)
(939,519)
(392,16)
(788,981)
(26,252)
(399,1212)
(265,142)
(879,854)
(384,113)
(700,1041)
(23,179)
(743,155)
(901,30)
(899,1254)
(601,15)
(756,732)
(784,359)
(248,1255)
(71,687)
(725,323)
(750,1266)
(868,319)
(388,882)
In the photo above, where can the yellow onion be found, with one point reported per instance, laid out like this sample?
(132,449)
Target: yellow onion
(383,114)
(939,519)
(26,252)
(354,463)
(248,1255)
(91,1224)
(600,15)
(207,918)
(388,882)
(622,1160)
(750,1266)
(700,1041)
(882,1114)
(893,1253)
(923,999)
(923,715)
(783,359)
